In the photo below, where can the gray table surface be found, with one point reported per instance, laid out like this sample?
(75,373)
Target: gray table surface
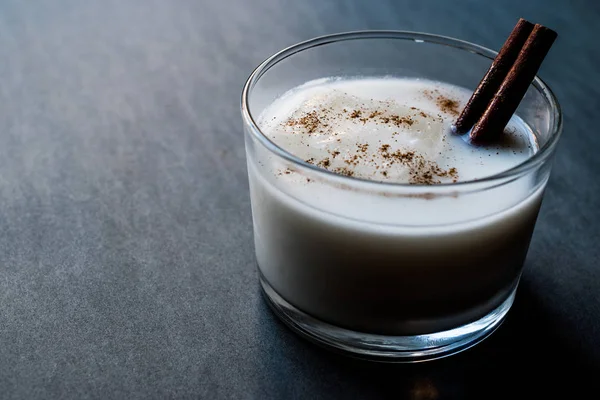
(126,254)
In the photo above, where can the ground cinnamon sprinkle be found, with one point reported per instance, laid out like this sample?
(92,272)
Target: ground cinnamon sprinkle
(343,171)
(286,171)
(318,120)
(310,121)
(419,169)
(353,160)
(324,163)
(397,120)
(447,105)
(356,114)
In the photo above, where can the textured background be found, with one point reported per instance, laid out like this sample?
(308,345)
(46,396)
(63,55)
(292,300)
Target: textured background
(126,259)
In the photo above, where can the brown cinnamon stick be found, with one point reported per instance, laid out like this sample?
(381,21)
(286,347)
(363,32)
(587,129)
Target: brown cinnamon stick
(515,85)
(494,76)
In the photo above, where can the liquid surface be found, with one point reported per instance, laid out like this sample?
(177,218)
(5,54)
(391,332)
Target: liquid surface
(388,129)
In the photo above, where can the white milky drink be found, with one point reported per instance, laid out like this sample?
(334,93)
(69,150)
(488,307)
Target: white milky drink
(360,251)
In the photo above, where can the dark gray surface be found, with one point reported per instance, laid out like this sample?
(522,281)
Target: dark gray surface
(126,258)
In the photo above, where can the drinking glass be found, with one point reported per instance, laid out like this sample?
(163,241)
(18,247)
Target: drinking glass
(391,286)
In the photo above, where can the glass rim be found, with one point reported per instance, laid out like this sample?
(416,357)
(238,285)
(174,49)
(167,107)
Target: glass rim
(419,37)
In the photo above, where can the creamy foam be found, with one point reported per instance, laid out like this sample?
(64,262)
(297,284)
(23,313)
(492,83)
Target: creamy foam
(390,130)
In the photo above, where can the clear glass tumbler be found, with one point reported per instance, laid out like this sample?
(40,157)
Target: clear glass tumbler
(399,288)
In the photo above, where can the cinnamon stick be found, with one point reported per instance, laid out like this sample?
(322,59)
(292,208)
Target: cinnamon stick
(494,77)
(515,85)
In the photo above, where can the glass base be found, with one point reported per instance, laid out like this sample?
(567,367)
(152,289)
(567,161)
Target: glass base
(383,347)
